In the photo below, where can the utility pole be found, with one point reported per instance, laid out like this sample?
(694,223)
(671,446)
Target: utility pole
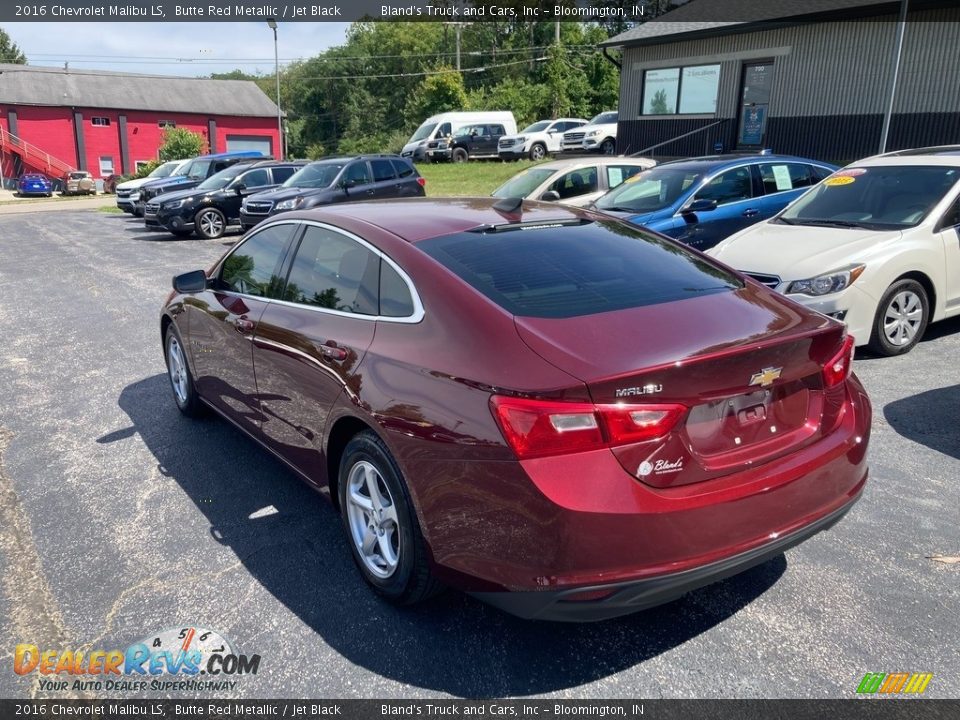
(456,27)
(272,24)
(556,32)
(897,52)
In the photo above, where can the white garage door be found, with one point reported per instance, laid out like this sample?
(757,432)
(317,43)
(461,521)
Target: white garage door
(249,142)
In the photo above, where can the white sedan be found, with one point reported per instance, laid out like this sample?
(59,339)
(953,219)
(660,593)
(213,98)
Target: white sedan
(876,244)
(572,181)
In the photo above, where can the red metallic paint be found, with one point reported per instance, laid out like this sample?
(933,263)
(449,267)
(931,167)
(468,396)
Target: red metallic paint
(495,523)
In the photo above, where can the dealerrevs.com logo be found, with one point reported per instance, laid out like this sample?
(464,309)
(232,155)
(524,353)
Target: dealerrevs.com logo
(179,659)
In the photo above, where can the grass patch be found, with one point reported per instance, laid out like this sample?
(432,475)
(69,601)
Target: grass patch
(110,210)
(476,178)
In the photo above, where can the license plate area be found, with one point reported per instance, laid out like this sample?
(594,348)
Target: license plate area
(753,425)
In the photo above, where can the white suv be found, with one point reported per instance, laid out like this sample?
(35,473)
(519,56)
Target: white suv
(600,134)
(876,244)
(536,140)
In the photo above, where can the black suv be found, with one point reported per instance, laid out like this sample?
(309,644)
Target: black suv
(470,141)
(192,174)
(337,179)
(211,206)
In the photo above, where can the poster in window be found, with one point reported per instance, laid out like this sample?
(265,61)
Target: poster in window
(752,125)
(660,91)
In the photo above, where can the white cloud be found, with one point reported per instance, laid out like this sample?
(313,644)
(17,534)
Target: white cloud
(175,48)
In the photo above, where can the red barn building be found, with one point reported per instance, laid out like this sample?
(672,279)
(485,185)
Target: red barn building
(54,120)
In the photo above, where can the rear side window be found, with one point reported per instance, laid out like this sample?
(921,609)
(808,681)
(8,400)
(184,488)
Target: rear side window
(569,271)
(358,173)
(403,169)
(252,269)
(382,170)
(616,174)
(335,272)
(779,177)
(395,300)
(281,174)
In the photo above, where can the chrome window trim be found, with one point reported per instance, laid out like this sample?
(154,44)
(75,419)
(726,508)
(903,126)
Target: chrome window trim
(418,311)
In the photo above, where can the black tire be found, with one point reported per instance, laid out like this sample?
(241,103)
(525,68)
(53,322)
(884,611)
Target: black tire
(459,155)
(900,299)
(608,147)
(209,223)
(538,151)
(410,581)
(186,398)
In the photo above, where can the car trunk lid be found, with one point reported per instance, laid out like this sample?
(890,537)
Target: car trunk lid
(746,364)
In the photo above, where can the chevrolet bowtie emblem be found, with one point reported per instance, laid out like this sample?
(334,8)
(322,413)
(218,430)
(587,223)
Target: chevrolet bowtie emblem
(766,376)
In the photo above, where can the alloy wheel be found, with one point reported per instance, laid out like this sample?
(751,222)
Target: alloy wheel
(211,224)
(372,517)
(903,318)
(177,367)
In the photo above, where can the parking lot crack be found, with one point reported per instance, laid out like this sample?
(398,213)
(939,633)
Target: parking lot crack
(34,613)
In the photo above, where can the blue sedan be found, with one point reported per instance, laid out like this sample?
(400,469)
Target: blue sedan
(703,200)
(34,184)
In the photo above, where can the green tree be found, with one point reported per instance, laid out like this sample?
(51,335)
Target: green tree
(180,143)
(658,103)
(438,93)
(9,52)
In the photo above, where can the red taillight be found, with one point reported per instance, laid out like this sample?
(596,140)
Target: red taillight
(838,367)
(422,181)
(535,428)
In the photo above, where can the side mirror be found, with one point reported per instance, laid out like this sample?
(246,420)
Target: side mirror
(699,206)
(347,184)
(550,196)
(239,188)
(190,282)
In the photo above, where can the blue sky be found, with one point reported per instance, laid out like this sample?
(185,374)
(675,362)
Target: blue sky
(180,48)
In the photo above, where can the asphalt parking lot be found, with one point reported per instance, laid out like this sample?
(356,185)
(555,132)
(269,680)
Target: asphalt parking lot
(120,518)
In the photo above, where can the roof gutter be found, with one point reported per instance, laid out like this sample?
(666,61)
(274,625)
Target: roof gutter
(606,54)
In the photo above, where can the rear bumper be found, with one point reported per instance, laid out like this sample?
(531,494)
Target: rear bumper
(557,525)
(624,598)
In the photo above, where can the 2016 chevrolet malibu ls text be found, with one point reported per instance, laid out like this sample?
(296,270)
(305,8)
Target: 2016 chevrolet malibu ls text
(567,416)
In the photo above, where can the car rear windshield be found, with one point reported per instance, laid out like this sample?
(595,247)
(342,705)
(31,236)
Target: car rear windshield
(562,271)
(875,197)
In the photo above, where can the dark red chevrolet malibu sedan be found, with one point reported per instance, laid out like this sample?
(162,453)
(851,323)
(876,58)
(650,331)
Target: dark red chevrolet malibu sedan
(566,416)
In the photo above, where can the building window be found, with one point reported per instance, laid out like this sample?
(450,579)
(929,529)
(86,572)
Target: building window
(141,163)
(100,121)
(106,165)
(166,124)
(686,91)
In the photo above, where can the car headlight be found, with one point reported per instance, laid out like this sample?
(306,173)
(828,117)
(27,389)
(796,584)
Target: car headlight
(593,133)
(827,283)
(172,204)
(288,204)
(521,138)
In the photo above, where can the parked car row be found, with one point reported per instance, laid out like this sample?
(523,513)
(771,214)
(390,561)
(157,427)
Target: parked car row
(462,136)
(204,196)
(76,182)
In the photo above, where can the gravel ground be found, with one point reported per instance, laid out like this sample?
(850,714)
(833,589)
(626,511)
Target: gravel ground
(119,518)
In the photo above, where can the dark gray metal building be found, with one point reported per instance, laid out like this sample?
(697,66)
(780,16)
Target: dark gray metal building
(806,78)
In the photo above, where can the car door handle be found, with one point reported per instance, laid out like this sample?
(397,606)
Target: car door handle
(751,212)
(332,351)
(244,325)
(371,191)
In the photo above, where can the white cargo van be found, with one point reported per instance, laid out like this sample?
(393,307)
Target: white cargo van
(446,124)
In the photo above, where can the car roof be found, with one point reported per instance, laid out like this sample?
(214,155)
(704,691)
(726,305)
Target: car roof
(583,161)
(416,219)
(716,162)
(939,155)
